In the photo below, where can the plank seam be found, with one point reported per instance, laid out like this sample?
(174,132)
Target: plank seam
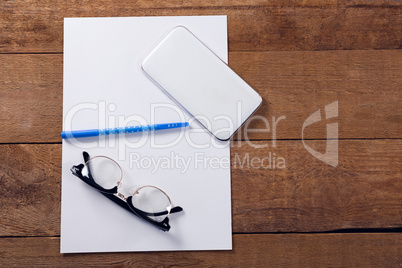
(230,51)
(340,231)
(341,139)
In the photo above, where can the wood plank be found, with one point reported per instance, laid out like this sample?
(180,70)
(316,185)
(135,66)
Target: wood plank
(293,84)
(302,195)
(31,93)
(363,191)
(366,84)
(258,250)
(27,27)
(30,191)
(175,4)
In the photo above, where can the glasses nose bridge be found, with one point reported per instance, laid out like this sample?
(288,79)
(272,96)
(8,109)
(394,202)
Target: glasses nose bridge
(121,196)
(120,184)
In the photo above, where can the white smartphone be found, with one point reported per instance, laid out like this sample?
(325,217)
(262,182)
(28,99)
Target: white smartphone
(201,83)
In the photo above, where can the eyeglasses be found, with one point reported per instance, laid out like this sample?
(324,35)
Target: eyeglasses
(147,202)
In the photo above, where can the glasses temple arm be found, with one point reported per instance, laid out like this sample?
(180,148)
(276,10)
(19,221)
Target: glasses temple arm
(161,213)
(119,202)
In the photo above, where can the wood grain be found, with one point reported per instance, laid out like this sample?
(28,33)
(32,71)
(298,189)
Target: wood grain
(293,84)
(30,192)
(366,85)
(32,27)
(31,93)
(301,195)
(258,250)
(177,4)
(277,47)
(363,191)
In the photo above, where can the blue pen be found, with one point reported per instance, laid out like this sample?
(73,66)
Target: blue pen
(107,131)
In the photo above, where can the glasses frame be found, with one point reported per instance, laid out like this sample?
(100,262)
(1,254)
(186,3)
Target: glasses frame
(114,195)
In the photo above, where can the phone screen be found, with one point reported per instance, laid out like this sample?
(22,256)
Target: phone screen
(201,83)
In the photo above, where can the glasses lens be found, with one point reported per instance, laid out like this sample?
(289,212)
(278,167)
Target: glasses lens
(105,171)
(153,202)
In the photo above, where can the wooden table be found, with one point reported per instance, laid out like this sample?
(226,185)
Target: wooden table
(300,56)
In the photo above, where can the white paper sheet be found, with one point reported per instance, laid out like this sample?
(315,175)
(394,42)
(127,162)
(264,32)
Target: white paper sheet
(104,86)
